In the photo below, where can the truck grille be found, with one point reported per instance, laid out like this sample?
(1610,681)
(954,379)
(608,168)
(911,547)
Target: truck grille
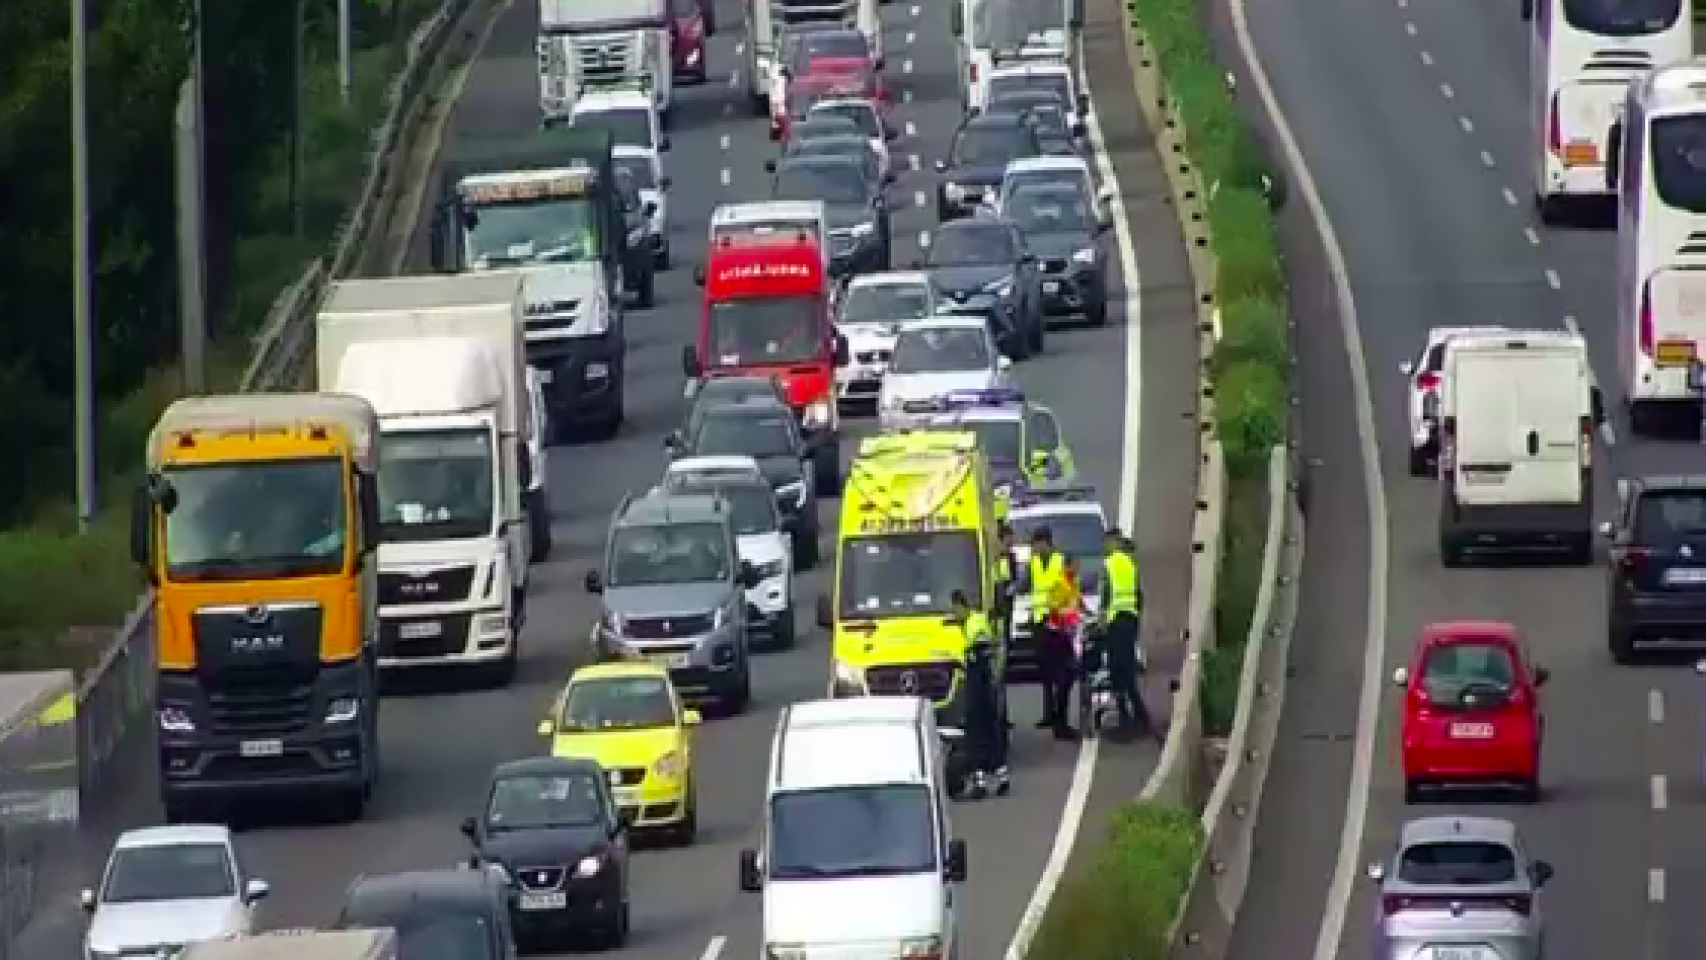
(446,585)
(932,681)
(796,11)
(400,639)
(665,628)
(607,60)
(246,704)
(627,776)
(872,356)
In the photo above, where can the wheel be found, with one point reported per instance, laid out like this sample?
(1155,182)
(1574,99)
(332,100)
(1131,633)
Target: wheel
(1549,209)
(1580,552)
(1412,791)
(540,519)
(1099,311)
(660,259)
(180,811)
(616,934)
(645,295)
(742,695)
(826,471)
(759,103)
(688,829)
(1420,464)
(806,552)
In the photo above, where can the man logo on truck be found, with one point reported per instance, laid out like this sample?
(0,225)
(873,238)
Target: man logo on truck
(263,644)
(420,588)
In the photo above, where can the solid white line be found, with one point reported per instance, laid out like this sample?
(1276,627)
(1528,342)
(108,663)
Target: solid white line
(1553,280)
(1655,708)
(714,949)
(1656,885)
(1659,792)
(1077,795)
(1533,236)
(919,200)
(1345,868)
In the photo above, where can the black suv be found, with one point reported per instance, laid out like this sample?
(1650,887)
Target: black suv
(982,148)
(768,433)
(1658,565)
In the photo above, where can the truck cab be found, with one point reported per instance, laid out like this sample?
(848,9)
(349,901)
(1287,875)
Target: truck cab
(733,221)
(588,44)
(767,313)
(440,360)
(256,524)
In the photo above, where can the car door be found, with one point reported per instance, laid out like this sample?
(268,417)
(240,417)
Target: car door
(1042,431)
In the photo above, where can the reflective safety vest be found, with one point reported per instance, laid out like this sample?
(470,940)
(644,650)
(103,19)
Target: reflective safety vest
(1004,567)
(1044,577)
(977,628)
(1123,593)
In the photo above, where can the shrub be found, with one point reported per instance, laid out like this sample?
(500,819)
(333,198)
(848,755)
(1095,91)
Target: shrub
(1120,905)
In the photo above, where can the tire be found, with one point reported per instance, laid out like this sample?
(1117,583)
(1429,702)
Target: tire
(181,811)
(806,551)
(1550,210)
(645,294)
(759,103)
(1099,312)
(543,541)
(826,472)
(1038,332)
(737,701)
(1581,550)
(787,631)
(1413,792)
(1420,464)
(616,935)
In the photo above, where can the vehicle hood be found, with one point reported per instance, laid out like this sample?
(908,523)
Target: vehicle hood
(1058,245)
(780,470)
(867,335)
(976,174)
(666,599)
(922,386)
(427,554)
(560,291)
(619,748)
(857,910)
(969,279)
(121,925)
(549,847)
(760,548)
(844,215)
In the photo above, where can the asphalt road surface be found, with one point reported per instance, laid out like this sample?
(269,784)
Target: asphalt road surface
(440,747)
(1414,119)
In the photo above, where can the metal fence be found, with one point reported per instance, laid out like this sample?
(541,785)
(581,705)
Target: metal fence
(39,796)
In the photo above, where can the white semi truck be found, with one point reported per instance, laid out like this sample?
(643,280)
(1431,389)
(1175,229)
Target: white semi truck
(441,360)
(766,20)
(298,945)
(589,44)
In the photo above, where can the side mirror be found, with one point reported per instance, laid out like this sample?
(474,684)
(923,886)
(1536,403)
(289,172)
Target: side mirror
(751,878)
(699,274)
(941,166)
(673,442)
(690,366)
(524,466)
(1596,403)
(650,208)
(1407,368)
(255,891)
(1606,530)
(665,182)
(954,867)
(880,63)
(1542,872)
(663,143)
(86,898)
(826,613)
(748,575)
(1401,677)
(1541,675)
(546,728)
(770,165)
(1004,362)
(889,179)
(141,526)
(692,718)
(1377,872)
(593,582)
(471,829)
(1080,128)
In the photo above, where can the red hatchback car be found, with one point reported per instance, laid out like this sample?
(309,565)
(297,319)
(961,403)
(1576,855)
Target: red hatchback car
(1471,711)
(689,25)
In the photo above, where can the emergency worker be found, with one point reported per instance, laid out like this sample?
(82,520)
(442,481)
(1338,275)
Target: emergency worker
(1050,593)
(986,730)
(1122,620)
(1006,579)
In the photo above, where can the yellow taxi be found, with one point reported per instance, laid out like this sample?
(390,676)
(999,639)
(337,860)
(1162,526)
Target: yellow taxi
(628,717)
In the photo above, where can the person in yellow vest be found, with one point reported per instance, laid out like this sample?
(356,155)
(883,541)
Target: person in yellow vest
(985,713)
(1122,628)
(1051,602)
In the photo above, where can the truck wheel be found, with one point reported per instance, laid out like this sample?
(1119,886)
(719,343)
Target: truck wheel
(785,633)
(760,104)
(826,472)
(1450,550)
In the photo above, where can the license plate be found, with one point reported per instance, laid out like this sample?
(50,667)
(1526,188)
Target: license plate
(1051,286)
(1461,953)
(1685,575)
(1579,153)
(1674,353)
(627,795)
(262,748)
(672,661)
(1472,731)
(555,900)
(423,630)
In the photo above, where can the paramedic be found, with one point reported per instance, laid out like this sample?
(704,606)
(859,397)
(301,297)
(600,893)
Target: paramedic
(986,730)
(1050,596)
(1122,619)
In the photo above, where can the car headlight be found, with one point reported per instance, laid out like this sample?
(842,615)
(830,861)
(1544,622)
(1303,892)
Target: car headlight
(954,191)
(176,720)
(589,867)
(849,680)
(862,229)
(611,623)
(491,624)
(1086,255)
(1001,288)
(794,492)
(817,414)
(916,947)
(342,710)
(669,765)
(597,371)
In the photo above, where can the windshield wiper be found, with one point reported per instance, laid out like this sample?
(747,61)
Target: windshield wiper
(804,872)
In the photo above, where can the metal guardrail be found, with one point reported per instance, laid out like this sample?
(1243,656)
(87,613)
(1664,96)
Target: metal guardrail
(115,697)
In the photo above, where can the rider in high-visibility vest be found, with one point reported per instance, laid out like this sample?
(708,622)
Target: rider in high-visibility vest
(1122,613)
(1051,597)
(985,716)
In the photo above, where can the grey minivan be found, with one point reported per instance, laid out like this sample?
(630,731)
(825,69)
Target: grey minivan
(673,590)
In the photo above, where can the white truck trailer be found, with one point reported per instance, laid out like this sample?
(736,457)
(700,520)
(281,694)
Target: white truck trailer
(588,44)
(441,360)
(298,945)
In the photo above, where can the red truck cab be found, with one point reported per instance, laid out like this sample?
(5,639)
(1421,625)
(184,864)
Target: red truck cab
(767,313)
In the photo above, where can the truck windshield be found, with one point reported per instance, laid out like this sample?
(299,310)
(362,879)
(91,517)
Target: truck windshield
(1679,161)
(908,574)
(747,330)
(436,485)
(1622,18)
(874,831)
(236,521)
(556,230)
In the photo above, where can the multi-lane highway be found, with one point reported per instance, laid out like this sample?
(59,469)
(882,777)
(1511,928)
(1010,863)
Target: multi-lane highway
(1414,119)
(439,748)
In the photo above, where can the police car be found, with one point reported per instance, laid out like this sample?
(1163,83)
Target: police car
(1021,440)
(1078,525)
(1423,405)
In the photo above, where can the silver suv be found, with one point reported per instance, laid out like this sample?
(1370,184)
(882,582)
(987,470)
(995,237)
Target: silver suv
(674,591)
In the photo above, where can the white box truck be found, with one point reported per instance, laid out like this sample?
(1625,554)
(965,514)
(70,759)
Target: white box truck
(591,44)
(441,360)
(298,945)
(1518,416)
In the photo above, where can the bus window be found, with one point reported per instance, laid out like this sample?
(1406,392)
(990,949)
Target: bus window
(1621,18)
(1679,161)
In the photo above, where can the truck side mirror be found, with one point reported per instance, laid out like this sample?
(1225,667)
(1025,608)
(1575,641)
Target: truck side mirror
(699,274)
(142,528)
(524,466)
(770,166)
(665,182)
(471,829)
(367,498)
(1614,156)
(690,365)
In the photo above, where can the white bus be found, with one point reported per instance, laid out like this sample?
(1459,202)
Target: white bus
(1660,175)
(1583,54)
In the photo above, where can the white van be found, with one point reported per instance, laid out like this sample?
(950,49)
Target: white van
(856,858)
(1518,412)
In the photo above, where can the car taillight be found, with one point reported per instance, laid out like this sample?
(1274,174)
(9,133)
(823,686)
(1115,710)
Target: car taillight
(1646,328)
(1631,558)
(1447,446)
(1554,129)
(1587,441)
(1520,903)
(974,73)
(1427,381)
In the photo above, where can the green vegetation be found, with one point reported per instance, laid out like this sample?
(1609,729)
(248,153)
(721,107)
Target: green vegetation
(1251,367)
(1120,904)
(50,578)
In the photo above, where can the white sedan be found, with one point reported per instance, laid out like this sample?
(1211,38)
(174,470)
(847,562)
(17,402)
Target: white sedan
(933,358)
(1423,400)
(165,887)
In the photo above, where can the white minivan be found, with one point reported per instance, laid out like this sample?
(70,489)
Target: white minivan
(1518,414)
(856,856)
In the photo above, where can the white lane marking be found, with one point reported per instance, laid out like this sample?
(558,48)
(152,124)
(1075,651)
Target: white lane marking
(906,95)
(911,129)
(1486,159)
(906,66)
(714,949)
(1410,28)
(918,199)
(1445,88)
(1346,870)
(1427,59)
(1607,434)
(740,47)
(1658,791)
(913,161)
(1510,196)
(723,141)
(1533,236)
(1467,124)
(913,11)
(1553,280)
(911,37)
(723,175)
(734,80)
(923,239)
(1084,771)
(1655,707)
(1656,885)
